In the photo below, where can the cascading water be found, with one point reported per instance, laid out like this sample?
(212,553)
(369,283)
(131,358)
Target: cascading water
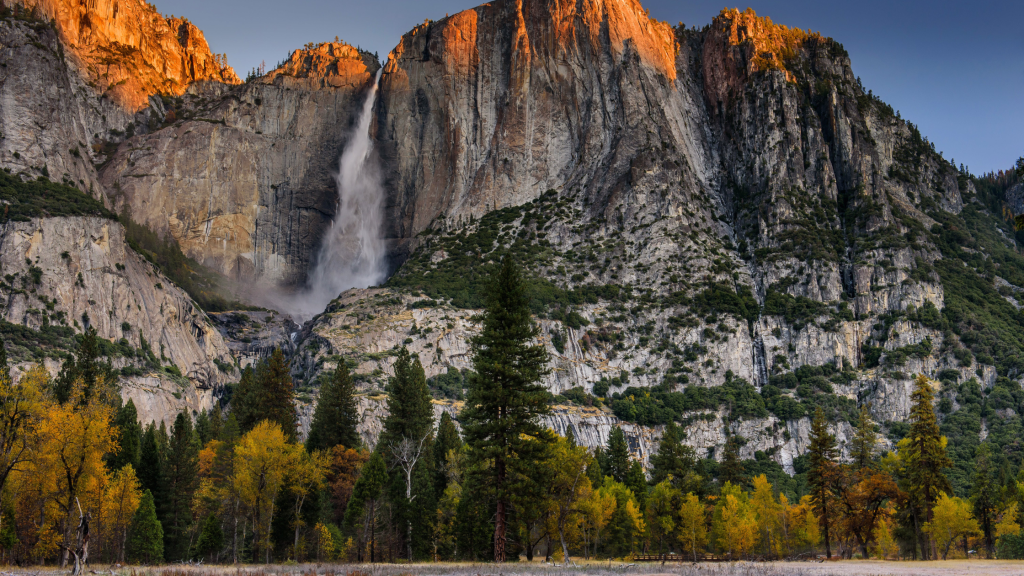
(352,253)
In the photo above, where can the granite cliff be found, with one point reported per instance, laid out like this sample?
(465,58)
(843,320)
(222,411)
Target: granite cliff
(724,209)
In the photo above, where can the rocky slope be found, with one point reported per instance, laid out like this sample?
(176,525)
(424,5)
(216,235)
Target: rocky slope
(721,225)
(66,274)
(704,205)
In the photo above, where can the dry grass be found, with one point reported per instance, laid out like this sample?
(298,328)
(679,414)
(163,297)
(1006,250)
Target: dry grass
(847,568)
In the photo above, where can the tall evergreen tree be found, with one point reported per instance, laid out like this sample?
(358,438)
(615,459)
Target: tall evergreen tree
(985,499)
(244,399)
(181,474)
(618,455)
(336,415)
(926,458)
(129,438)
(202,428)
(731,468)
(85,365)
(407,436)
(448,439)
(864,441)
(674,459)
(275,395)
(151,464)
(823,477)
(636,480)
(501,419)
(146,538)
(363,507)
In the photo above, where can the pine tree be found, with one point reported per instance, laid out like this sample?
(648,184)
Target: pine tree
(129,438)
(864,440)
(146,538)
(151,464)
(84,365)
(406,437)
(674,459)
(275,395)
(984,497)
(448,439)
(181,474)
(823,477)
(926,458)
(501,419)
(202,428)
(243,401)
(211,539)
(636,480)
(362,512)
(731,469)
(336,415)
(618,455)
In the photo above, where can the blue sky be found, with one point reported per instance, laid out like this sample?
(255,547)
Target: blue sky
(956,69)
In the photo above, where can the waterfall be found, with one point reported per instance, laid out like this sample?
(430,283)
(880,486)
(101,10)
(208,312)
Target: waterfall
(352,253)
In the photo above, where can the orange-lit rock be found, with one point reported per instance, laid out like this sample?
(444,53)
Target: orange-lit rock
(127,50)
(494,105)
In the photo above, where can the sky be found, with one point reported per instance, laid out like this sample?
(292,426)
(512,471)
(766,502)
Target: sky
(954,68)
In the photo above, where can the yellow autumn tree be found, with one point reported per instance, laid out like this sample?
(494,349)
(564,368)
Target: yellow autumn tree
(734,525)
(74,436)
(1007,523)
(693,530)
(263,460)
(569,487)
(121,499)
(769,515)
(885,544)
(323,542)
(803,531)
(951,520)
(22,407)
(305,477)
(597,511)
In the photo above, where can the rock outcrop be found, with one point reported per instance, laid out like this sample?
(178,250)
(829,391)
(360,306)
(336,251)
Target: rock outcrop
(79,273)
(127,50)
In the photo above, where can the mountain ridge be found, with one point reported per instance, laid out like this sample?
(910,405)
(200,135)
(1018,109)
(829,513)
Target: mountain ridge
(722,209)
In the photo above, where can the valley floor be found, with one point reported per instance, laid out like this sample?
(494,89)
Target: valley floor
(537,568)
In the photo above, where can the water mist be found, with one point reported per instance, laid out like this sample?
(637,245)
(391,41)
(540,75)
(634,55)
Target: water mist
(352,253)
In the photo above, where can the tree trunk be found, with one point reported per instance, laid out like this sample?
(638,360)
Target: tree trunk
(565,548)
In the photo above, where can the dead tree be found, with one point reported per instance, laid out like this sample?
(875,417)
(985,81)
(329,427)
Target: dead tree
(407,453)
(81,549)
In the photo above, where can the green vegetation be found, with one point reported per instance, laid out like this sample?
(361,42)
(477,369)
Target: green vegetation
(40,198)
(474,251)
(661,404)
(813,389)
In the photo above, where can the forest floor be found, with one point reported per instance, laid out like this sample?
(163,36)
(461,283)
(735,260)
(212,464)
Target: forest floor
(837,568)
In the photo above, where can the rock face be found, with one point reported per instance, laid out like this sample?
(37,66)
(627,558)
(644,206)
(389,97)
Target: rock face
(698,207)
(79,272)
(247,186)
(127,49)
(744,155)
(494,105)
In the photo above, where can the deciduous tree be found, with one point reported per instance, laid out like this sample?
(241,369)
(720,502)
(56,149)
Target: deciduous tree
(693,531)
(951,520)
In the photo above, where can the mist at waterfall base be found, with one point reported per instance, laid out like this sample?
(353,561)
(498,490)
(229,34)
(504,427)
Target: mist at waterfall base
(352,253)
